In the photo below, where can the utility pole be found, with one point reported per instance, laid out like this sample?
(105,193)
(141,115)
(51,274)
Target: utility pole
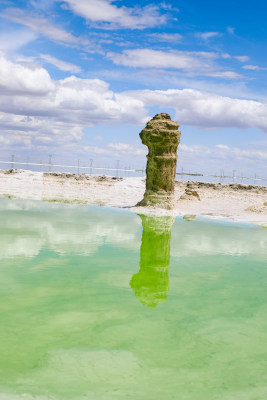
(12,161)
(50,162)
(234,171)
(118,166)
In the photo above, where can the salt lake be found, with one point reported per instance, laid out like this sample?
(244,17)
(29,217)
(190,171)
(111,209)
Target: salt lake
(103,304)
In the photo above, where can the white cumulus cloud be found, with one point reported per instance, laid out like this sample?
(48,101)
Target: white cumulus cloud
(46,28)
(203,109)
(14,40)
(254,68)
(242,58)
(207,35)
(104,11)
(167,37)
(36,110)
(149,58)
(127,148)
(40,25)
(21,79)
(195,63)
(60,64)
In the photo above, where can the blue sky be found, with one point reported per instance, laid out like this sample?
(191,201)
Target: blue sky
(80,78)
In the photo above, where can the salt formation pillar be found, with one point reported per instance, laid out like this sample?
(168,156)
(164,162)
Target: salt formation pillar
(162,138)
(151,283)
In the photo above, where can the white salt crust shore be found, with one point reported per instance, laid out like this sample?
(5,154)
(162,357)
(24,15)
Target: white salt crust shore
(230,201)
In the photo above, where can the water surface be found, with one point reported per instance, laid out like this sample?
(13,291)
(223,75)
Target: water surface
(104,304)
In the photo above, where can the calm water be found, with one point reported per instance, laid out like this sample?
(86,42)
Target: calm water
(102,304)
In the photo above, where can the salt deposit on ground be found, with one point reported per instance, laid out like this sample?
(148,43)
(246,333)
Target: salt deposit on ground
(232,201)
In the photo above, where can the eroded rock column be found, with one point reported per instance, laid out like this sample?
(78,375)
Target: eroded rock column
(162,138)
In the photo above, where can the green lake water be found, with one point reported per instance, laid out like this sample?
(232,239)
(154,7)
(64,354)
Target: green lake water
(104,304)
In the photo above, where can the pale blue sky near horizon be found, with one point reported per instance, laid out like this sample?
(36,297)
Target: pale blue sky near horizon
(80,78)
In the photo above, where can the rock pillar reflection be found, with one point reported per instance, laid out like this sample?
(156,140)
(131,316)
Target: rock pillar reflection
(162,138)
(151,283)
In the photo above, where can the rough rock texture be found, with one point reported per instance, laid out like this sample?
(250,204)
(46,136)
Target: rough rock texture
(162,138)
(151,283)
(11,171)
(190,194)
(258,209)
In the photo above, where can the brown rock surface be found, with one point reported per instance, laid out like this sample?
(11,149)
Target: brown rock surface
(190,194)
(257,209)
(162,138)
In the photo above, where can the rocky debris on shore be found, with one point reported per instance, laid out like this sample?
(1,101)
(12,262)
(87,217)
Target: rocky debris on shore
(66,175)
(221,186)
(11,171)
(81,177)
(190,194)
(258,209)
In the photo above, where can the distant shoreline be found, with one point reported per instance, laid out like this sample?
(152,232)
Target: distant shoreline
(233,201)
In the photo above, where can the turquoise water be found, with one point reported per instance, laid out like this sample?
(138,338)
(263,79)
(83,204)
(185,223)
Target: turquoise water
(104,304)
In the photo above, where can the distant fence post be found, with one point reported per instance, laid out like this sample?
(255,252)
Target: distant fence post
(117,170)
(234,175)
(12,161)
(50,163)
(117,167)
